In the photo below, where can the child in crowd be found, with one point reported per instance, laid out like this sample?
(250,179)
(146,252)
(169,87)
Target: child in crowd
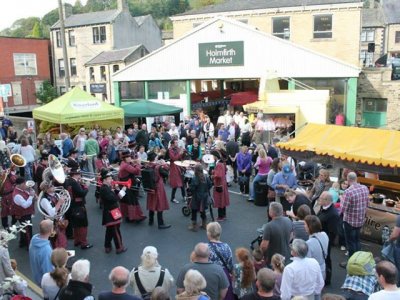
(277,264)
(259,261)
(334,191)
(243,273)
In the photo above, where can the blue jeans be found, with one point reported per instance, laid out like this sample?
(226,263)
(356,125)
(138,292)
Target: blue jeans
(352,237)
(258,178)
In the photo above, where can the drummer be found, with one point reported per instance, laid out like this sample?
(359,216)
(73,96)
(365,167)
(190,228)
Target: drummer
(175,174)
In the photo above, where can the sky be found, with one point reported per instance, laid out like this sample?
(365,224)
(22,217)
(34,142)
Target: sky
(13,10)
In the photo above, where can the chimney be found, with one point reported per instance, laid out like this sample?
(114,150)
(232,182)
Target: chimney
(122,5)
(67,10)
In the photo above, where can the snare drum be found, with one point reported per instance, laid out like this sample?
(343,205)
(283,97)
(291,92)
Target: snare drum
(189,174)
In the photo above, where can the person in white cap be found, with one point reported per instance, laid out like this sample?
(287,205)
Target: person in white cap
(149,274)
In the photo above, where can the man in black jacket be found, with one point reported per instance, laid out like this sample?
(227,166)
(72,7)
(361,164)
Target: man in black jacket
(142,137)
(78,287)
(329,218)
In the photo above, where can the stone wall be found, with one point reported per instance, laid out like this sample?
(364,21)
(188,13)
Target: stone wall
(377,83)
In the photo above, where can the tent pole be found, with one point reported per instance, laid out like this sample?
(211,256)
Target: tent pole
(60,128)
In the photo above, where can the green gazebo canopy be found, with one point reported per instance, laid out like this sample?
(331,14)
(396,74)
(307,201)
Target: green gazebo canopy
(146,108)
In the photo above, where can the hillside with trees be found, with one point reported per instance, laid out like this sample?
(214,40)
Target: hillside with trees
(161,10)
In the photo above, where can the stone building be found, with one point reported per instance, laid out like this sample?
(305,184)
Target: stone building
(89,34)
(331,27)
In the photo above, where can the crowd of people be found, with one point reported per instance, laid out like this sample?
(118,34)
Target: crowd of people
(303,224)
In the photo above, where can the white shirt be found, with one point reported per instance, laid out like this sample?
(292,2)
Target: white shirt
(20,201)
(306,269)
(47,207)
(385,295)
(174,132)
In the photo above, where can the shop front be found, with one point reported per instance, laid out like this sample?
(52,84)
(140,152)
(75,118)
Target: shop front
(224,59)
(374,154)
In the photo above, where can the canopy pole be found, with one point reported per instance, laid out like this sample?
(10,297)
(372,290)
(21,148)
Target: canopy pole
(61,128)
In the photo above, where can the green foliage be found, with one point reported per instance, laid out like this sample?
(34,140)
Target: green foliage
(47,92)
(37,31)
(201,3)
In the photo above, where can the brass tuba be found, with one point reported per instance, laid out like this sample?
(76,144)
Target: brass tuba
(55,171)
(18,160)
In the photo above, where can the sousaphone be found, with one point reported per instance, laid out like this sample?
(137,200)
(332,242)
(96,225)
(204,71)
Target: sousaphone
(55,171)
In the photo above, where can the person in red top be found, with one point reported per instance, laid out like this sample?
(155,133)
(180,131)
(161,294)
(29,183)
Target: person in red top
(130,207)
(23,209)
(77,211)
(354,207)
(175,174)
(221,194)
(157,200)
(7,196)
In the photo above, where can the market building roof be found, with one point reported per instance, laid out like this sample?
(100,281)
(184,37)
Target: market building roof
(262,52)
(391,9)
(98,17)
(239,5)
(373,17)
(113,56)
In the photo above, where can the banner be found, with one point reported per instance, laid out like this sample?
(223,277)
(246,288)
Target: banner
(221,54)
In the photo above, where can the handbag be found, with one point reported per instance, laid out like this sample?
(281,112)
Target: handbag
(387,251)
(219,189)
(116,213)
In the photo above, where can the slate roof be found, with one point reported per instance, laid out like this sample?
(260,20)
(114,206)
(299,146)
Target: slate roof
(239,5)
(113,55)
(373,17)
(391,10)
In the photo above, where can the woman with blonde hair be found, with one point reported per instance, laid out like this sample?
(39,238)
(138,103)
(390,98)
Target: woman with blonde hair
(194,283)
(149,274)
(277,264)
(54,281)
(243,273)
(263,165)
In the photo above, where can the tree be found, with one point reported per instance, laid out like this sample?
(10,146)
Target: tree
(47,92)
(37,31)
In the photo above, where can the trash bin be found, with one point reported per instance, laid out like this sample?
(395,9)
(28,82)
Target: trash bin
(260,189)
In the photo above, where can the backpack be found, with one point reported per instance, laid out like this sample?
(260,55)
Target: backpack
(147,295)
(148,178)
(361,263)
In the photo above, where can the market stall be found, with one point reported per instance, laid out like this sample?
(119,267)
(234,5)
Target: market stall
(76,109)
(365,151)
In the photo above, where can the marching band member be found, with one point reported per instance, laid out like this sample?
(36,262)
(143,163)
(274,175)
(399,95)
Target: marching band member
(73,159)
(51,204)
(40,167)
(111,213)
(130,206)
(77,211)
(23,209)
(157,200)
(102,162)
(7,195)
(221,194)
(175,175)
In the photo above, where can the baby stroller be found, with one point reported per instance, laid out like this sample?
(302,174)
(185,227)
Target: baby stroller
(186,211)
(258,239)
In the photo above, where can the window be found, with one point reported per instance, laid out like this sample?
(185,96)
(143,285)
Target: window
(194,25)
(91,73)
(368,35)
(103,73)
(17,94)
(63,90)
(25,64)
(115,68)
(281,27)
(99,35)
(72,62)
(61,68)
(245,21)
(71,38)
(58,38)
(366,58)
(322,26)
(374,105)
(397,37)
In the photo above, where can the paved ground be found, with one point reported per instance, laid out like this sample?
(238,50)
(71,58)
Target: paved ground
(174,244)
